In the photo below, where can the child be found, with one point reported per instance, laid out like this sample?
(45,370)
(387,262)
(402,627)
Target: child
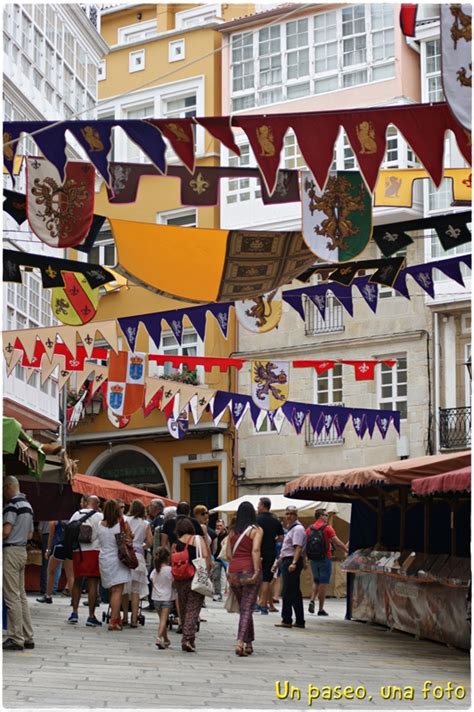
(163,593)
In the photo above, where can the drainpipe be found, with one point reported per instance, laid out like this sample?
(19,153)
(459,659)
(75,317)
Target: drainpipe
(436,378)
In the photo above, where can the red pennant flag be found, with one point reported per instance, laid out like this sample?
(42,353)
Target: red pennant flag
(180,134)
(154,403)
(408,19)
(219,127)
(265,135)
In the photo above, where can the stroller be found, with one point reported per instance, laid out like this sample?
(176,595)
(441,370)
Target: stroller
(173,620)
(140,618)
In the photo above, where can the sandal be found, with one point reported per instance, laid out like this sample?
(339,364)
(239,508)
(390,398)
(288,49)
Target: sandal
(188,648)
(248,648)
(240,650)
(114,624)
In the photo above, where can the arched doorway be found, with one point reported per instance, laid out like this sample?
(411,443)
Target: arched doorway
(132,466)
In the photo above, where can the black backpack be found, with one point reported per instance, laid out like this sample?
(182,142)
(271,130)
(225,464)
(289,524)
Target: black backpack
(316,549)
(71,534)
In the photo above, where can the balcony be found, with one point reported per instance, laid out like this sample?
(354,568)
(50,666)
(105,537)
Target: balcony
(324,439)
(455,428)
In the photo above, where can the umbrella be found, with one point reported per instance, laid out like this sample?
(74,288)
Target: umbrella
(280,502)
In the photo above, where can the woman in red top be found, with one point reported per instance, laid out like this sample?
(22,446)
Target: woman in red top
(244,571)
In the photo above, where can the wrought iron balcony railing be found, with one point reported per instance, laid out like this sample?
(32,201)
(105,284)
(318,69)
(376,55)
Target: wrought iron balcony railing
(455,428)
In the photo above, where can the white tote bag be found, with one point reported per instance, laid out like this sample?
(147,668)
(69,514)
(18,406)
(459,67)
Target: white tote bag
(201,581)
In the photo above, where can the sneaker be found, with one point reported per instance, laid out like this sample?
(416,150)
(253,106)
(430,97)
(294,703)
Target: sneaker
(264,610)
(218,597)
(311,607)
(92,621)
(45,599)
(73,618)
(256,608)
(322,613)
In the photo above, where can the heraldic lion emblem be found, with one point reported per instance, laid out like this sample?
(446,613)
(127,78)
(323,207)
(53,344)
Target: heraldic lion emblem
(268,381)
(259,311)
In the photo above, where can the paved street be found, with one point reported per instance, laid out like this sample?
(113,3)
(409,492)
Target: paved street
(76,666)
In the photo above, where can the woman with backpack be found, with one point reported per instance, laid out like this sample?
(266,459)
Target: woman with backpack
(245,571)
(190,602)
(113,573)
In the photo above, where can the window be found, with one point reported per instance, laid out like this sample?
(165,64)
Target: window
(137,32)
(328,391)
(393,386)
(38,50)
(348,155)
(91,80)
(134,154)
(184,218)
(69,48)
(196,16)
(68,86)
(292,157)
(104,253)
(81,63)
(50,19)
(180,107)
(434,87)
(439,199)
(102,71)
(136,61)
(176,50)
(242,189)
(191,346)
(266,425)
(333,321)
(26,30)
(49,62)
(329,51)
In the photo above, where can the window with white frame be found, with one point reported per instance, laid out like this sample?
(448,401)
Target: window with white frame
(136,61)
(191,345)
(196,16)
(434,87)
(240,190)
(333,317)
(183,218)
(69,47)
(292,157)
(50,23)
(102,70)
(264,425)
(26,35)
(137,32)
(329,51)
(392,386)
(328,391)
(176,50)
(104,252)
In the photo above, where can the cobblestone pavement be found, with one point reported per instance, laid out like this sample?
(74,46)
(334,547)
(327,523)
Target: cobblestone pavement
(81,667)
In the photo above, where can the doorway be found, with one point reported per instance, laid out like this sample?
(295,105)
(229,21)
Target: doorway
(204,488)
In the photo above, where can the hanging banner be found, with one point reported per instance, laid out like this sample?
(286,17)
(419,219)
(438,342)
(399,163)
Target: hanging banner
(126,384)
(59,212)
(452,230)
(51,269)
(337,221)
(76,303)
(260,314)
(456,59)
(178,427)
(408,13)
(270,383)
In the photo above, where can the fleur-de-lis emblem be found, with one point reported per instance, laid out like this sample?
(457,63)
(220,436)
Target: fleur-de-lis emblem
(202,401)
(35,164)
(357,423)
(34,359)
(363,368)
(99,378)
(468,181)
(64,373)
(85,310)
(453,232)
(370,292)
(390,237)
(9,347)
(88,339)
(198,184)
(168,394)
(425,279)
(74,291)
(74,363)
(52,273)
(49,343)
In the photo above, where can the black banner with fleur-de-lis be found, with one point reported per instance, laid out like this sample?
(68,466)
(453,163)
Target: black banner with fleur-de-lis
(452,230)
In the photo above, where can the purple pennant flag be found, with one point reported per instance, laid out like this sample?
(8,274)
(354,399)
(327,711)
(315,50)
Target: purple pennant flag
(358,421)
(94,137)
(52,143)
(452,268)
(239,407)
(328,421)
(340,421)
(255,411)
(152,323)
(400,284)
(343,295)
(221,400)
(423,275)
(316,418)
(294,297)
(220,313)
(319,301)
(129,326)
(148,138)
(197,317)
(383,423)
(369,291)
(175,321)
(296,414)
(11,132)
(370,419)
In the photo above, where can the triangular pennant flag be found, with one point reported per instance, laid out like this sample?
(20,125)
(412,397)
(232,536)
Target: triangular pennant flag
(69,338)
(14,360)
(275,418)
(295,300)
(319,301)
(266,135)
(27,338)
(47,366)
(220,313)
(152,323)
(129,326)
(175,322)
(383,422)
(52,143)
(363,370)
(370,418)
(452,270)
(87,336)
(100,376)
(400,285)
(48,339)
(316,418)
(197,317)
(369,292)
(108,329)
(219,127)
(8,345)
(180,134)
(200,402)
(359,422)
(344,296)
(318,154)
(238,408)
(296,414)
(148,138)
(63,378)
(423,275)
(169,392)
(152,387)
(82,376)
(153,404)
(328,421)
(186,392)
(340,421)
(94,138)
(221,401)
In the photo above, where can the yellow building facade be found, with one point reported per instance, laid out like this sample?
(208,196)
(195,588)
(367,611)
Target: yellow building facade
(164,61)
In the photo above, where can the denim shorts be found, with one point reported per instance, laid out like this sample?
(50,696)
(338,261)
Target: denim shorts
(163,604)
(321,570)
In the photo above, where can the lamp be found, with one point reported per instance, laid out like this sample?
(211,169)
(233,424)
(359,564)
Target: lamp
(93,407)
(468,365)
(240,475)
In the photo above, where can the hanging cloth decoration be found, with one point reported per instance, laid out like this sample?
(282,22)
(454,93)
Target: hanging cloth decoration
(408,13)
(456,59)
(270,383)
(337,221)
(202,265)
(76,302)
(451,229)
(59,212)
(260,314)
(52,269)
(395,187)
(126,385)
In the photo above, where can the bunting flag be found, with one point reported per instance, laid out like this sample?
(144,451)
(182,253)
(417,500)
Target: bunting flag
(408,19)
(52,269)
(395,187)
(261,314)
(60,212)
(126,384)
(365,128)
(456,59)
(364,369)
(203,265)
(422,274)
(270,383)
(385,271)
(337,221)
(76,303)
(451,229)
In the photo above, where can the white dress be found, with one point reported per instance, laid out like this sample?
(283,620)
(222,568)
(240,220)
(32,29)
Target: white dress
(139,579)
(112,571)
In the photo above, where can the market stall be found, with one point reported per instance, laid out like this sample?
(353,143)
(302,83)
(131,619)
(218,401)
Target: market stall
(408,566)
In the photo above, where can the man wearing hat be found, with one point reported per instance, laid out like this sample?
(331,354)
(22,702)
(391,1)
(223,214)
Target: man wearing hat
(291,561)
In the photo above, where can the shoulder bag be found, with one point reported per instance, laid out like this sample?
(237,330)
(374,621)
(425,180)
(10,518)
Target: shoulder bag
(126,553)
(201,582)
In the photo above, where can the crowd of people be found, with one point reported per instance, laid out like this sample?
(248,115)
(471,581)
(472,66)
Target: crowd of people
(252,553)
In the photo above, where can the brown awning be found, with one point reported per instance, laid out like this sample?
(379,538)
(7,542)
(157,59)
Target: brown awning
(338,485)
(113,489)
(455,481)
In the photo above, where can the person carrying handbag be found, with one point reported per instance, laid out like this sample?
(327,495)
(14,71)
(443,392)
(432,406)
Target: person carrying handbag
(190,602)
(245,572)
